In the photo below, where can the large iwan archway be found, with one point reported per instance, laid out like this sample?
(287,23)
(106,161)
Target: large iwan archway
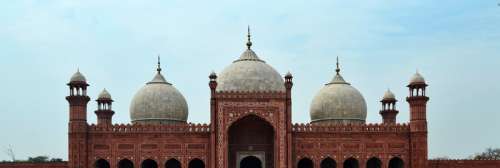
(251,136)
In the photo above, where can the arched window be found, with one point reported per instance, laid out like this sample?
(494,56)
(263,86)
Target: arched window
(351,163)
(396,162)
(196,163)
(250,162)
(173,163)
(305,163)
(125,163)
(101,163)
(328,163)
(149,163)
(374,163)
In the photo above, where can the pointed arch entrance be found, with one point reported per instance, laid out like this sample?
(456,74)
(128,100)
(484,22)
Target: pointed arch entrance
(172,163)
(101,163)
(328,163)
(374,163)
(251,136)
(125,163)
(396,162)
(351,163)
(196,163)
(305,163)
(149,163)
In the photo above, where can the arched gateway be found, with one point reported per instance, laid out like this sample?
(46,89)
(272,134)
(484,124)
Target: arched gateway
(251,143)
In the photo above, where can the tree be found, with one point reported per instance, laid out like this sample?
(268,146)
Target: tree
(38,159)
(489,154)
(56,160)
(10,152)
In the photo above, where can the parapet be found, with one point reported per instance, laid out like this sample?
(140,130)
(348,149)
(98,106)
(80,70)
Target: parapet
(139,128)
(338,128)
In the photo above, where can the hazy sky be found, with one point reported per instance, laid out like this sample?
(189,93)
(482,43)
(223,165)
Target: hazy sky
(454,44)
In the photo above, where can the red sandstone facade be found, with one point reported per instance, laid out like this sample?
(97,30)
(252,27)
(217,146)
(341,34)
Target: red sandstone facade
(249,129)
(252,126)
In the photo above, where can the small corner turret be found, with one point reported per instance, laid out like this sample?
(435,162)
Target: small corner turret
(104,111)
(389,111)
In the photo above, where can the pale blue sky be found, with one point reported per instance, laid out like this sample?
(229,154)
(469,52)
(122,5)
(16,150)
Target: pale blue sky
(454,44)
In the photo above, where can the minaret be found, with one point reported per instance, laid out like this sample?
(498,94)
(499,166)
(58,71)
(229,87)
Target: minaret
(288,123)
(213,116)
(77,136)
(418,122)
(389,110)
(104,111)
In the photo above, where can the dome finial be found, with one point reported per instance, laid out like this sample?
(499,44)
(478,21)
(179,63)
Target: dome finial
(249,43)
(159,66)
(338,66)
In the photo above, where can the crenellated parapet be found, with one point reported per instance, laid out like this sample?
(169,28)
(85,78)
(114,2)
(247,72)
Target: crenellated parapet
(153,128)
(351,128)
(268,94)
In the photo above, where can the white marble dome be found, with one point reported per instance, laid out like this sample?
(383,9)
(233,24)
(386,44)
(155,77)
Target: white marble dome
(417,78)
(104,95)
(158,102)
(249,73)
(338,103)
(77,77)
(388,95)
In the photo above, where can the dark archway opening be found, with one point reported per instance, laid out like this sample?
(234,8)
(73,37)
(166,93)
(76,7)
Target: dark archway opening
(305,163)
(351,163)
(250,162)
(125,163)
(196,163)
(328,163)
(101,163)
(251,133)
(396,163)
(173,163)
(374,163)
(149,163)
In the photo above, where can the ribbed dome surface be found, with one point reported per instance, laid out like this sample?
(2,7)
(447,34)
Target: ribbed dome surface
(158,102)
(338,102)
(249,73)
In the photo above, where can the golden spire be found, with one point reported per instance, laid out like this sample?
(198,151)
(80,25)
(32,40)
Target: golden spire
(249,43)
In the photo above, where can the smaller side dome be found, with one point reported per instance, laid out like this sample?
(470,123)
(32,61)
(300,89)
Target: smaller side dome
(388,95)
(417,79)
(104,95)
(77,77)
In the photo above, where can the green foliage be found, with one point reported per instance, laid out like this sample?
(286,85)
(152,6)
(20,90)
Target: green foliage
(37,159)
(489,154)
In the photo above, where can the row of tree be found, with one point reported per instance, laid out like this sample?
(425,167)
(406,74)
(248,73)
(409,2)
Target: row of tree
(37,159)
(488,154)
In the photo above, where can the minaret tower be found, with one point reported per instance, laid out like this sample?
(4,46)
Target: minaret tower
(389,110)
(418,121)
(213,116)
(104,112)
(77,141)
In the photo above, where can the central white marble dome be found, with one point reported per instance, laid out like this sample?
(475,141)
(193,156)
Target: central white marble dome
(250,73)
